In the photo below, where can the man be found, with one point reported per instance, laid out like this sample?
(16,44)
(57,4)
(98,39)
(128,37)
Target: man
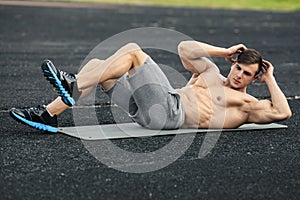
(136,83)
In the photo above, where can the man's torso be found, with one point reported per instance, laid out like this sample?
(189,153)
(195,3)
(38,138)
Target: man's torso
(209,104)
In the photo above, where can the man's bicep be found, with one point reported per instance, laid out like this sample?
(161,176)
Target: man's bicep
(199,65)
(262,112)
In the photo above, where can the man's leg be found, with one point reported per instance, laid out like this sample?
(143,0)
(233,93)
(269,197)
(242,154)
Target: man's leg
(148,97)
(127,59)
(104,72)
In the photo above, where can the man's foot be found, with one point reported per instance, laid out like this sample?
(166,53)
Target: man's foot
(36,117)
(62,81)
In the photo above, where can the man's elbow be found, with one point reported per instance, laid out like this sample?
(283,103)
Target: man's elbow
(286,115)
(289,114)
(185,49)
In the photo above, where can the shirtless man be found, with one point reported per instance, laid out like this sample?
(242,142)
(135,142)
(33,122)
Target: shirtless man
(223,102)
(135,83)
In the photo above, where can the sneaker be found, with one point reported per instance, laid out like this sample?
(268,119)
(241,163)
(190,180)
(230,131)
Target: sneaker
(36,117)
(63,82)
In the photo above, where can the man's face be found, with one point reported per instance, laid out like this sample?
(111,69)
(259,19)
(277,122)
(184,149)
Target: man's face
(241,75)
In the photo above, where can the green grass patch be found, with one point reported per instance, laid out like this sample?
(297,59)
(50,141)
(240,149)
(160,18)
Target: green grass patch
(279,5)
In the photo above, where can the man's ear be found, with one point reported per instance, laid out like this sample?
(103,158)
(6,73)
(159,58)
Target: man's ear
(255,78)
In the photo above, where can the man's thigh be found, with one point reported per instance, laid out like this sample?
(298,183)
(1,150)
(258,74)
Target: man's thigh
(156,106)
(146,95)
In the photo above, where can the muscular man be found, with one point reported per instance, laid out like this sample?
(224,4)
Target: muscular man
(135,83)
(223,102)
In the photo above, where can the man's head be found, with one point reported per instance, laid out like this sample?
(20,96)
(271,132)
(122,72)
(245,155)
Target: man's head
(245,69)
(251,56)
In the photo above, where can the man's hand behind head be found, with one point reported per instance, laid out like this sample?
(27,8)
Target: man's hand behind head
(236,49)
(267,71)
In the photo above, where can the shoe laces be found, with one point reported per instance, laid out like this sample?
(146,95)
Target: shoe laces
(39,107)
(69,75)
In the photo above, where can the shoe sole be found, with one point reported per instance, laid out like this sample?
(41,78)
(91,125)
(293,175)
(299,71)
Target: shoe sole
(56,83)
(36,125)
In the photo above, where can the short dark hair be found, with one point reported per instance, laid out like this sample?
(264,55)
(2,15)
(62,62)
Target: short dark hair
(251,56)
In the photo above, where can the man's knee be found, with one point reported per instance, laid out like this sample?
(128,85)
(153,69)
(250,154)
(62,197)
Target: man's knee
(132,47)
(137,55)
(95,62)
(134,50)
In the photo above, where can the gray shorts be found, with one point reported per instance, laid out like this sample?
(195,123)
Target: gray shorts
(148,98)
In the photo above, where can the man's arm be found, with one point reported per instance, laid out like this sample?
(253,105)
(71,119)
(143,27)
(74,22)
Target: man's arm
(193,55)
(277,109)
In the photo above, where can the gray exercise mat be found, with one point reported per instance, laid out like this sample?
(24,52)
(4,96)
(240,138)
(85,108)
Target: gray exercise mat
(130,130)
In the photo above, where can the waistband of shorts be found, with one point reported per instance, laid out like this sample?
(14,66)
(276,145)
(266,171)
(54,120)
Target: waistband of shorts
(181,119)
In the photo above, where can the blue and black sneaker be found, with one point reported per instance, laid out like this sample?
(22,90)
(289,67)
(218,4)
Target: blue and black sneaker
(63,82)
(36,117)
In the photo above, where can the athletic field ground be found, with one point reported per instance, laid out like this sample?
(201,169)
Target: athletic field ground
(241,165)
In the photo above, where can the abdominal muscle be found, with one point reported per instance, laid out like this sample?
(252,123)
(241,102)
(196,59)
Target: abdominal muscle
(216,107)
